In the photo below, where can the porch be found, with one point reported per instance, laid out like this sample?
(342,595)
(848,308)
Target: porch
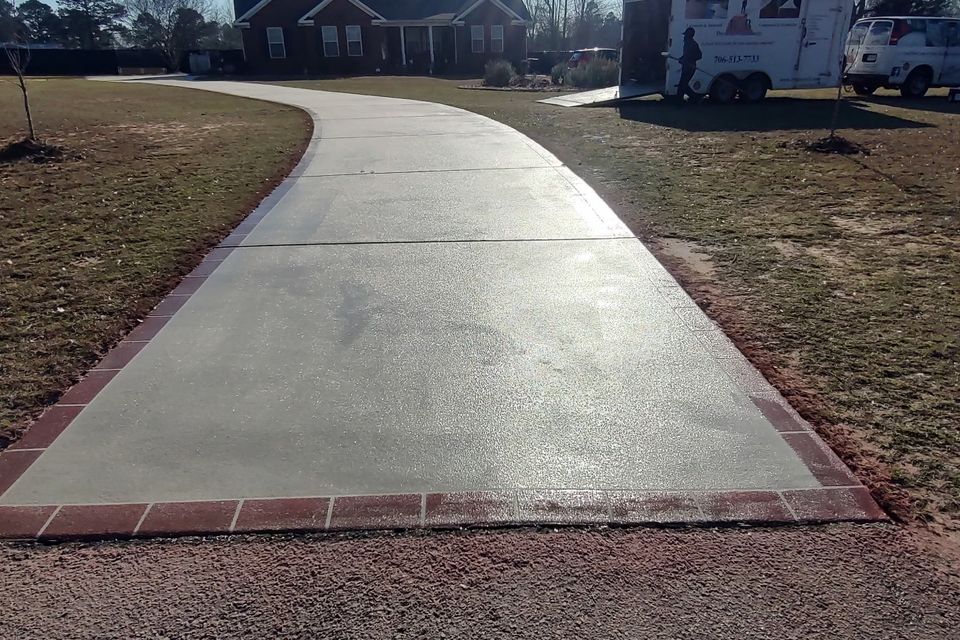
(420,47)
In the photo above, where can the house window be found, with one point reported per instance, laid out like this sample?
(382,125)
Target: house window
(354,42)
(496,38)
(476,38)
(275,43)
(331,42)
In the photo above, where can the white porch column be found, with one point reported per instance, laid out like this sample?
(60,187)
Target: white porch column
(430,37)
(403,47)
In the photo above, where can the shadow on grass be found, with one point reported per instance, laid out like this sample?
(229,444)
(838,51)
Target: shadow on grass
(357,76)
(935,104)
(773,114)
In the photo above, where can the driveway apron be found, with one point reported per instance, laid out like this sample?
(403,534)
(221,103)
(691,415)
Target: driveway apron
(436,307)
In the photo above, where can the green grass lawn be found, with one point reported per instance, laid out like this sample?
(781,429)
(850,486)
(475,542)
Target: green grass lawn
(838,276)
(151,178)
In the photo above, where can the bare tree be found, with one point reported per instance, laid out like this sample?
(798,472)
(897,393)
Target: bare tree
(548,17)
(564,21)
(559,24)
(18,54)
(172,25)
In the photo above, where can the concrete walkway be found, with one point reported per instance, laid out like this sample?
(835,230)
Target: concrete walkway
(430,307)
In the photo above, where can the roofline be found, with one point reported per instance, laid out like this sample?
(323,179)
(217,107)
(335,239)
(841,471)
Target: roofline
(497,3)
(243,21)
(513,23)
(307,18)
(951,18)
(411,22)
(250,12)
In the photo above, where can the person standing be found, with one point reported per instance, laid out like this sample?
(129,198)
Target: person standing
(688,64)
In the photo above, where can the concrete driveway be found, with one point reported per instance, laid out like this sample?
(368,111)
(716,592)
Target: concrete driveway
(432,322)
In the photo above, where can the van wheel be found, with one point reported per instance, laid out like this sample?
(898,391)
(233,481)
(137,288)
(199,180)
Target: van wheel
(916,84)
(723,90)
(864,89)
(754,88)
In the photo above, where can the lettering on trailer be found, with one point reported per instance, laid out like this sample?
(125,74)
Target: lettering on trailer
(751,59)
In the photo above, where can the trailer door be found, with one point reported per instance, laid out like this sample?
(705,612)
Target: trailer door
(950,69)
(644,39)
(822,26)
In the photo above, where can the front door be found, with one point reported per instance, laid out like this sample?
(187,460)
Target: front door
(820,28)
(444,50)
(418,49)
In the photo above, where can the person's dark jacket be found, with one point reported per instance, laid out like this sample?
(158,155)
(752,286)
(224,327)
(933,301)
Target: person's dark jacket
(691,53)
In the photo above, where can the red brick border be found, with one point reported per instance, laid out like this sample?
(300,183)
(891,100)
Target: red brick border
(438,511)
(842,497)
(18,457)
(823,463)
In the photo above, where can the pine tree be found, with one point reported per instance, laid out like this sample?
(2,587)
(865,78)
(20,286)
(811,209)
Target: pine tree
(92,24)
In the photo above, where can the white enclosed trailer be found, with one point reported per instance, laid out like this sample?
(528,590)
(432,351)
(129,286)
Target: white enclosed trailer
(748,46)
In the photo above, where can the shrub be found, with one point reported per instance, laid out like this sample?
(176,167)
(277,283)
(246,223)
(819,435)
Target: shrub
(498,73)
(593,75)
(556,73)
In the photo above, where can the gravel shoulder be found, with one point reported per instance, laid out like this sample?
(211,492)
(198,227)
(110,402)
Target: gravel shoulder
(829,582)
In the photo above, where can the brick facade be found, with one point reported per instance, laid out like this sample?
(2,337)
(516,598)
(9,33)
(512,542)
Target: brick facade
(381,45)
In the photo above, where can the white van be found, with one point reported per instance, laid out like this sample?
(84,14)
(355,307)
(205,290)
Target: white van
(910,54)
(749,46)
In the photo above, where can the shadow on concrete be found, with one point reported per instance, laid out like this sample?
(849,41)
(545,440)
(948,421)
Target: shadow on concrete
(773,114)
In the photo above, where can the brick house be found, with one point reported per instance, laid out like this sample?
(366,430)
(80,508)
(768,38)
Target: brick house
(340,37)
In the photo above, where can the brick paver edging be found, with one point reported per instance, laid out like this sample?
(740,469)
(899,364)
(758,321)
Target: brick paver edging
(842,497)
(436,510)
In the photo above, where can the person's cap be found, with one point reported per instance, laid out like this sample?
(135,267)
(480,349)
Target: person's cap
(690,31)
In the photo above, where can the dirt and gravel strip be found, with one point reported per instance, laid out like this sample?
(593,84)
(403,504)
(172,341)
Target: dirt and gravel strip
(831,582)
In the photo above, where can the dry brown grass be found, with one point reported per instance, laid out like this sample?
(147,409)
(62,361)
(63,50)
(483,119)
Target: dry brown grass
(151,177)
(839,276)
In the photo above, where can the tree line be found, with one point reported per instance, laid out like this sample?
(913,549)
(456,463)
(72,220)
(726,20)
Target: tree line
(574,24)
(171,26)
(867,8)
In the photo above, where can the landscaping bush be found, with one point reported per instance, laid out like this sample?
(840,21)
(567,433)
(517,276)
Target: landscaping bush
(498,73)
(556,73)
(593,75)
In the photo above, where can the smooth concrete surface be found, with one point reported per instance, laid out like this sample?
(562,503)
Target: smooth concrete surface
(403,367)
(508,204)
(483,361)
(396,154)
(449,124)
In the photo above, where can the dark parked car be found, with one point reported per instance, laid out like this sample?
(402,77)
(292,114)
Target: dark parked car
(583,56)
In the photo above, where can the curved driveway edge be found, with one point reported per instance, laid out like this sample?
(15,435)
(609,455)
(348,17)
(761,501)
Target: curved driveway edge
(431,323)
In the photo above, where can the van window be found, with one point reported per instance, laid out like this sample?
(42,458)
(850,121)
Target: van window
(910,32)
(879,33)
(936,34)
(951,31)
(857,34)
